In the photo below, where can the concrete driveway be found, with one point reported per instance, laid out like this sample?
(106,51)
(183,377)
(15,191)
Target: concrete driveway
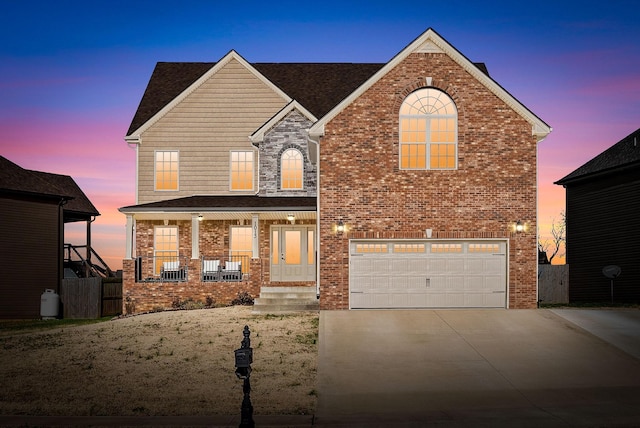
(480,368)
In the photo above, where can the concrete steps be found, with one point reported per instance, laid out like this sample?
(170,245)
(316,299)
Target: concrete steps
(286,299)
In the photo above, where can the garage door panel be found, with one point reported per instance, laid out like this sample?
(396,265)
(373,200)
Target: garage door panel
(437,266)
(496,299)
(405,283)
(494,265)
(454,283)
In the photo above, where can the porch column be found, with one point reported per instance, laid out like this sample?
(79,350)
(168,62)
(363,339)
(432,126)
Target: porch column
(255,236)
(195,237)
(128,252)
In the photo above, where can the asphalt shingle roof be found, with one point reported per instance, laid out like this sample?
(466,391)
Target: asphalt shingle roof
(318,87)
(17,180)
(226,203)
(622,155)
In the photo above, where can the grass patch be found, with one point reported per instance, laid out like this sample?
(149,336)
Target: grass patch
(25,326)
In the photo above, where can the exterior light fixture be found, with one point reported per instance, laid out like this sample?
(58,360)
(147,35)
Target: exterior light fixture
(291,218)
(340,227)
(200,217)
(519,227)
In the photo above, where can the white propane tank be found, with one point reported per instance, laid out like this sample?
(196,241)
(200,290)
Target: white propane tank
(49,304)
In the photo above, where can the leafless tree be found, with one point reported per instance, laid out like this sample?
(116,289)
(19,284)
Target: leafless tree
(551,246)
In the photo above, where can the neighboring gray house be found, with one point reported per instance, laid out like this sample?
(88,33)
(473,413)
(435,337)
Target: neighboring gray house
(603,202)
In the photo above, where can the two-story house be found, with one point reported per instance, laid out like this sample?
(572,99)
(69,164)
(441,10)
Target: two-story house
(405,184)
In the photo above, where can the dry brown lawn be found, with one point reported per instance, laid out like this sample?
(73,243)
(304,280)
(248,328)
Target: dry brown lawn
(165,363)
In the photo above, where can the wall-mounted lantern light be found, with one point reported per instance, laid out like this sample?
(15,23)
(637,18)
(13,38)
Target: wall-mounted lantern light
(519,226)
(340,227)
(291,218)
(200,217)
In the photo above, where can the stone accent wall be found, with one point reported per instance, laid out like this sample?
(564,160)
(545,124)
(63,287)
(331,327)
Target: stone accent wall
(362,185)
(289,133)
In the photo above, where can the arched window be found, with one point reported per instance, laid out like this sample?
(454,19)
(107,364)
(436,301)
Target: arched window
(291,169)
(428,131)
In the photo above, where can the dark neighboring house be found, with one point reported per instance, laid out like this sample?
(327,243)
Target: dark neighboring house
(34,206)
(603,202)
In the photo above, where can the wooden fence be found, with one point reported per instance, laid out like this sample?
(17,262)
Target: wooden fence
(91,297)
(553,283)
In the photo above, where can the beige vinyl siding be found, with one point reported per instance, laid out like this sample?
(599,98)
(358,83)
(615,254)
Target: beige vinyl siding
(214,119)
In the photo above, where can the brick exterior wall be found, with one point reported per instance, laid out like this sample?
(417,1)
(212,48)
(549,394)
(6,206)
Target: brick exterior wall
(361,183)
(289,133)
(214,244)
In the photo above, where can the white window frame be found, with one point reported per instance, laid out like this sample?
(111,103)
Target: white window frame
(155,249)
(246,253)
(253,170)
(155,170)
(428,116)
(293,149)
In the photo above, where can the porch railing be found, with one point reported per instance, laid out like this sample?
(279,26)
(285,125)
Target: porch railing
(234,267)
(167,268)
(210,268)
(85,264)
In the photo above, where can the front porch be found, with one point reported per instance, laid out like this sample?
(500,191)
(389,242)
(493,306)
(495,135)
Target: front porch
(213,256)
(153,292)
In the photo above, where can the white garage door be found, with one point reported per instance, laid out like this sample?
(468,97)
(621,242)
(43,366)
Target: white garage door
(427,274)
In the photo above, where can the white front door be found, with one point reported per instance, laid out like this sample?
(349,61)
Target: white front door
(293,253)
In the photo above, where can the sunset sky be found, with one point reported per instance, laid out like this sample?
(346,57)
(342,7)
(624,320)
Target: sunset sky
(73,72)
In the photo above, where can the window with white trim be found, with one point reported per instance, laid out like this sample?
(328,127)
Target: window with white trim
(428,131)
(165,246)
(166,170)
(291,169)
(241,246)
(242,168)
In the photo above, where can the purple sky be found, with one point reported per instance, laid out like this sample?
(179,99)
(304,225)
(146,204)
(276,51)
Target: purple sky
(72,73)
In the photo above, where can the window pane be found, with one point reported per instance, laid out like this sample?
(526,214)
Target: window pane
(311,249)
(291,169)
(275,252)
(292,247)
(241,238)
(241,246)
(413,156)
(242,170)
(428,116)
(165,245)
(166,168)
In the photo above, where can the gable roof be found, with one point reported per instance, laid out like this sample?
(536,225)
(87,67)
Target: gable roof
(316,86)
(432,42)
(324,89)
(181,95)
(17,180)
(257,137)
(623,155)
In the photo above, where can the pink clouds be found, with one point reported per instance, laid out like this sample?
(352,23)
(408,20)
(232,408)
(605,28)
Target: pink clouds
(95,155)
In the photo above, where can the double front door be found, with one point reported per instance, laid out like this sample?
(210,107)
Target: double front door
(293,253)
